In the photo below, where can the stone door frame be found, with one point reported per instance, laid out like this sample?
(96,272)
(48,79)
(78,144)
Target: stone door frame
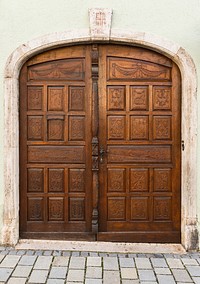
(189,232)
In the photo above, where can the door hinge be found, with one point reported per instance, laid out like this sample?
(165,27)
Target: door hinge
(183,145)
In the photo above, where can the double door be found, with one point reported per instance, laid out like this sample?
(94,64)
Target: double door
(100,145)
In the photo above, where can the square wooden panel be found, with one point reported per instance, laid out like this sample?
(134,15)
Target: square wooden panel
(76,98)
(35,209)
(162,128)
(56,130)
(116,99)
(76,209)
(35,180)
(139,129)
(116,208)
(56,180)
(139,180)
(35,128)
(162,98)
(116,127)
(76,180)
(35,97)
(162,208)
(116,180)
(162,180)
(139,98)
(55,98)
(139,208)
(56,208)
(76,128)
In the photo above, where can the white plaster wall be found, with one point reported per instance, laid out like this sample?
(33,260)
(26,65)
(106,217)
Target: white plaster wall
(22,20)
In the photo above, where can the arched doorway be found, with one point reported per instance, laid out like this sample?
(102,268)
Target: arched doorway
(189,231)
(100,145)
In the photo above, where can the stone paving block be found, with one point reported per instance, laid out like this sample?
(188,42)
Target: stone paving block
(147,282)
(27,260)
(110,263)
(162,270)
(75,253)
(94,254)
(5,273)
(85,253)
(56,253)
(75,275)
(10,261)
(55,281)
(189,261)
(174,263)
(21,252)
(193,270)
(60,261)
(146,275)
(111,277)
(142,263)
(22,271)
(30,252)
(93,261)
(196,280)
(126,262)
(38,276)
(38,252)
(159,262)
(181,275)
(66,253)
(94,272)
(77,262)
(58,272)
(93,281)
(43,262)
(166,279)
(128,273)
(47,252)
(131,282)
(14,280)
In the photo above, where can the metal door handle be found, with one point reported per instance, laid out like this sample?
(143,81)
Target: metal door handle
(101,152)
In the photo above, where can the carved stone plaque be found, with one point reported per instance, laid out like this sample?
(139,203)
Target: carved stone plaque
(100,22)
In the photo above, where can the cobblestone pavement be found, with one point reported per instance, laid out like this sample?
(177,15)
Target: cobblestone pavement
(58,267)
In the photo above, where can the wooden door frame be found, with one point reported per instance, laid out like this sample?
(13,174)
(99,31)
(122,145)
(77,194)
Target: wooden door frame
(189,229)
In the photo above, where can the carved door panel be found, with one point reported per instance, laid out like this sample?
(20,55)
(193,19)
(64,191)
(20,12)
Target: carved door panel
(139,130)
(55,145)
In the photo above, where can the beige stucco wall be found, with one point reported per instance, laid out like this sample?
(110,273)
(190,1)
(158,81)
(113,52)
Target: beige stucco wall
(22,21)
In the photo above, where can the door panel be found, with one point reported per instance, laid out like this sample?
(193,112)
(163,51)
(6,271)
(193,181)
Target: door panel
(55,145)
(139,115)
(100,145)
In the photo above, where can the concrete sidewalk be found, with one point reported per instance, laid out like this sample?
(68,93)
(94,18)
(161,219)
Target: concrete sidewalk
(93,267)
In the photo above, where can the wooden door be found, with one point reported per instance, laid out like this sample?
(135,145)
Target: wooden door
(139,130)
(55,145)
(100,145)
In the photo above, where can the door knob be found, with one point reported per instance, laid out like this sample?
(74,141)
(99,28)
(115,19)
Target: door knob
(101,152)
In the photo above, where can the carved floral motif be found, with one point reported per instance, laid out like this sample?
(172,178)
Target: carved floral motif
(116,127)
(116,98)
(56,209)
(116,209)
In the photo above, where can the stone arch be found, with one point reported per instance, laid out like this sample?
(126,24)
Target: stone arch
(189,232)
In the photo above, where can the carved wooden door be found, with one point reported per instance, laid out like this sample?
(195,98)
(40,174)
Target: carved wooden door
(100,145)
(139,130)
(55,145)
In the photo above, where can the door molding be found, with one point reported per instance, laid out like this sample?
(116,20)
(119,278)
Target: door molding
(189,231)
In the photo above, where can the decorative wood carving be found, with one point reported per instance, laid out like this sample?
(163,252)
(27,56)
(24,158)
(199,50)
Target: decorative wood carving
(95,142)
(68,69)
(135,69)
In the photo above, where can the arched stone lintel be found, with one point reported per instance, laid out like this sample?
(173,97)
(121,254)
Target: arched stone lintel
(189,231)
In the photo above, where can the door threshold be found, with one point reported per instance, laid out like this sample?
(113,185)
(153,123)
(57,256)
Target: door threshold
(109,247)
